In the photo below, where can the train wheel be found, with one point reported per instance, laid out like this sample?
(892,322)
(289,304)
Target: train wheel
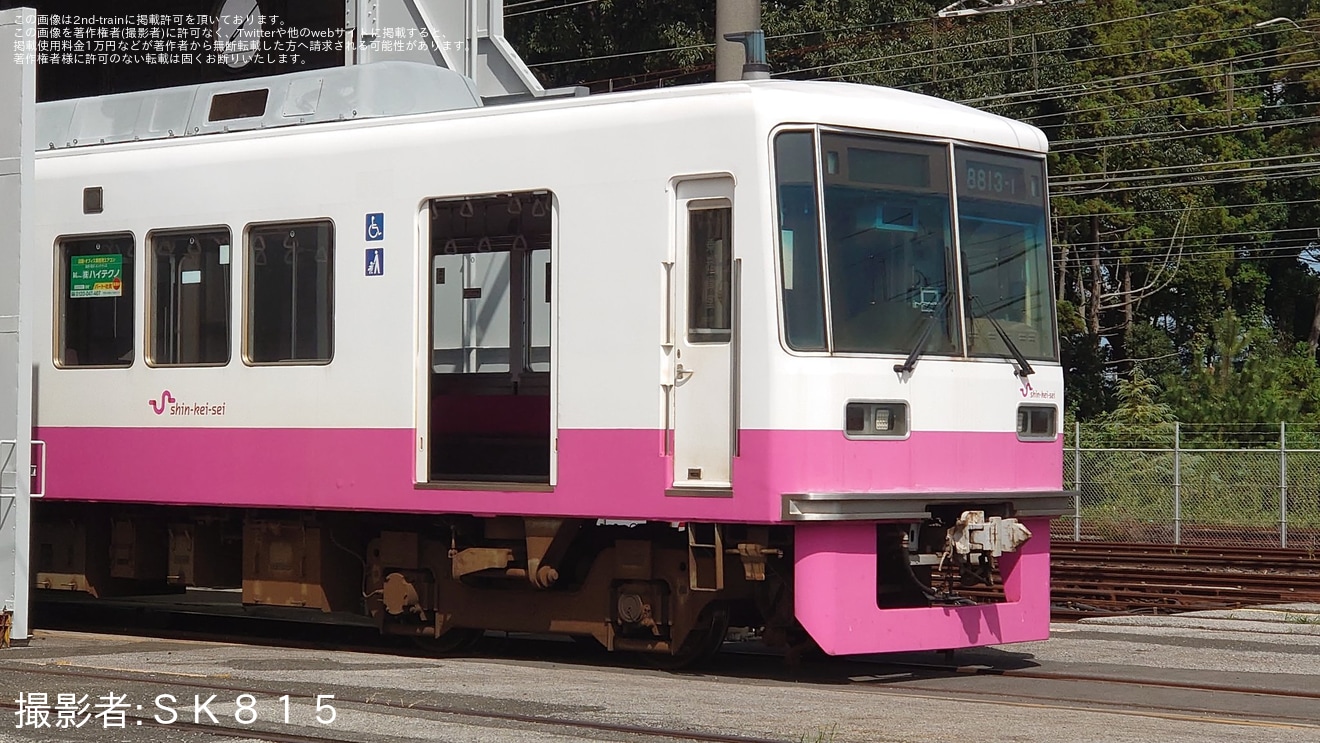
(703,643)
(456,640)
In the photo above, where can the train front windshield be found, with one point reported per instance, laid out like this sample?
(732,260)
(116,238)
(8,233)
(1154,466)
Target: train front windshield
(890,259)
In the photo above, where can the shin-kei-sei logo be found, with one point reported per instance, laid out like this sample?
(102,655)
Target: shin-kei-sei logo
(168,404)
(160,407)
(1032,393)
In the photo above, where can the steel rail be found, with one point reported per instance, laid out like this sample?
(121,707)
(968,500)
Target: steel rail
(1122,708)
(1031,673)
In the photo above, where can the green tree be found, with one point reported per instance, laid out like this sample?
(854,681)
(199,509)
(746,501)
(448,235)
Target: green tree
(1246,374)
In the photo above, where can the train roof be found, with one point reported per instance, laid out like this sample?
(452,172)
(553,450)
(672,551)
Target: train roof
(848,104)
(388,92)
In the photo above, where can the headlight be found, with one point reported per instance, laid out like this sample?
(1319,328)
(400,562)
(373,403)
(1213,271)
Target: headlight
(1037,421)
(868,419)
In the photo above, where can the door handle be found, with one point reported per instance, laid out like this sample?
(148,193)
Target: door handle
(682,374)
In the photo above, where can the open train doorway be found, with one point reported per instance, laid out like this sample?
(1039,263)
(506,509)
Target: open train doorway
(489,412)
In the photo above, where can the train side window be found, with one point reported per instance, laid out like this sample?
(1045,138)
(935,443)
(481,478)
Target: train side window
(710,275)
(189,274)
(290,293)
(96,310)
(490,300)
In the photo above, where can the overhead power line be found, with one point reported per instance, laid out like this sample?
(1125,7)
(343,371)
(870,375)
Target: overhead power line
(552,7)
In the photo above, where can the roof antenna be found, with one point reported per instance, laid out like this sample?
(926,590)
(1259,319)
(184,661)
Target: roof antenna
(757,67)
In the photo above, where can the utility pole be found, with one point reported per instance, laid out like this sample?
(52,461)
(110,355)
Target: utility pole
(731,17)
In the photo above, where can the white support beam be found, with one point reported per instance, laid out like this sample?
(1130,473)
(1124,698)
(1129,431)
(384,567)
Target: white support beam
(466,36)
(17,138)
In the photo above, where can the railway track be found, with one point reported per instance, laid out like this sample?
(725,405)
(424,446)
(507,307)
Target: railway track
(1233,708)
(1216,702)
(377,702)
(1095,578)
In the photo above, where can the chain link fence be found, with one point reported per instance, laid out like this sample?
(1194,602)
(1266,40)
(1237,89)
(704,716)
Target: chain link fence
(1247,486)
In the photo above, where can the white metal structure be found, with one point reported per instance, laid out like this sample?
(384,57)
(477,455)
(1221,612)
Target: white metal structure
(17,127)
(466,36)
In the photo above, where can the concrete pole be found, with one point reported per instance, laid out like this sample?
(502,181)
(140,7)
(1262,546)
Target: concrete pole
(731,17)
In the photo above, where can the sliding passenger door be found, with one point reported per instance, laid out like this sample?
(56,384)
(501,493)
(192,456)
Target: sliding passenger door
(488,392)
(703,335)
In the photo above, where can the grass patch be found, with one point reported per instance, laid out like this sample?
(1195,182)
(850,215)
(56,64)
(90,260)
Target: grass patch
(821,736)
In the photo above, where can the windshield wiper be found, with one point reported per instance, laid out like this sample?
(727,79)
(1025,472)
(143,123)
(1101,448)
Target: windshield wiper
(911,361)
(1023,368)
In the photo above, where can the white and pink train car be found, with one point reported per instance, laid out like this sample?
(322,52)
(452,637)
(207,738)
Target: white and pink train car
(635,366)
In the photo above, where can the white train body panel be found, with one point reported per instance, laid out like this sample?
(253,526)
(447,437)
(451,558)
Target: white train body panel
(345,171)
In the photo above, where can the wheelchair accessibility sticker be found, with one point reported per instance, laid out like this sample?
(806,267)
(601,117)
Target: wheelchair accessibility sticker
(375,226)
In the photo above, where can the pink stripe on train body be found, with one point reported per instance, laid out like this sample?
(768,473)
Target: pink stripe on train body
(618,474)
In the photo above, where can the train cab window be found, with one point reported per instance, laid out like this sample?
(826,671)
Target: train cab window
(799,241)
(889,240)
(1003,231)
(290,293)
(96,310)
(710,274)
(189,274)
